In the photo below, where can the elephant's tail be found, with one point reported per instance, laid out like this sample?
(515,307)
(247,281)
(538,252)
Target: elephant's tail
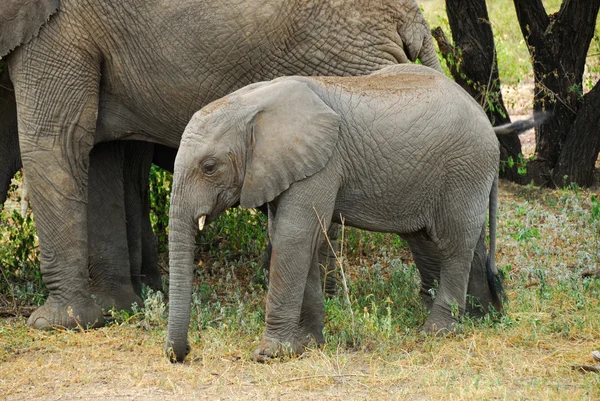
(519,127)
(493,276)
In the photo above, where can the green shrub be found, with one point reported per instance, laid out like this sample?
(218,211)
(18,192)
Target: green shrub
(21,279)
(160,197)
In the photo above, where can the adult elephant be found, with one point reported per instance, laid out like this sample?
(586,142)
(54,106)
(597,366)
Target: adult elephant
(129,195)
(106,204)
(102,71)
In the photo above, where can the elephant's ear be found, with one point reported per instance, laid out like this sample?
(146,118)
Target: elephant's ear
(21,20)
(291,137)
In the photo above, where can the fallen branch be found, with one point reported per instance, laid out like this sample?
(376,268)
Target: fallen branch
(591,273)
(12,311)
(293,379)
(587,368)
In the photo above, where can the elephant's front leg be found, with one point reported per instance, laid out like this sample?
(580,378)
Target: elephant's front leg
(58,107)
(109,265)
(294,301)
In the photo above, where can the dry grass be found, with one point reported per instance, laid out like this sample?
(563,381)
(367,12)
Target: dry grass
(119,363)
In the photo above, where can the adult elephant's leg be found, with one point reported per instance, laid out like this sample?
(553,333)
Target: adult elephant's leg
(143,256)
(110,277)
(150,272)
(10,156)
(57,112)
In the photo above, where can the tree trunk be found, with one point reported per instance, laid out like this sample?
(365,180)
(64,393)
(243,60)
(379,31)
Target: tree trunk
(579,153)
(472,62)
(558,45)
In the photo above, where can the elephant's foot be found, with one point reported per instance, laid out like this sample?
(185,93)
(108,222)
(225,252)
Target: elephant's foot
(271,348)
(84,313)
(120,298)
(440,322)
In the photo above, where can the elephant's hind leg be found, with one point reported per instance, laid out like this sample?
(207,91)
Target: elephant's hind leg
(110,278)
(481,297)
(143,254)
(428,261)
(456,243)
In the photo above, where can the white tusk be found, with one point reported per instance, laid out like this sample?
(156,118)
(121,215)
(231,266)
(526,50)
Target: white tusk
(201,221)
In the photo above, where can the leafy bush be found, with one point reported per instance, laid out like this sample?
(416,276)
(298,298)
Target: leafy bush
(160,198)
(21,278)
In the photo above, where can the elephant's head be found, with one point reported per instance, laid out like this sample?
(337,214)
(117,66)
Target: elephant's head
(248,147)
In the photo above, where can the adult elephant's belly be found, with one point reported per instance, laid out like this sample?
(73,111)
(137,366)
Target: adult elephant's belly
(159,120)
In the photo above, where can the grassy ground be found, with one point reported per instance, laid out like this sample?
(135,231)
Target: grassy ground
(373,350)
(547,239)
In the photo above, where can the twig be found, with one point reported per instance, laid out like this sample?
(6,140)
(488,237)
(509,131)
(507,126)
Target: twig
(340,261)
(25,311)
(556,96)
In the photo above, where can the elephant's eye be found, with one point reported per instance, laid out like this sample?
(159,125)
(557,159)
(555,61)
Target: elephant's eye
(209,166)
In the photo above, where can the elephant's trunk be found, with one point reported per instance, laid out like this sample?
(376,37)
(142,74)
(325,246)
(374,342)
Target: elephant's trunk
(417,38)
(428,55)
(182,230)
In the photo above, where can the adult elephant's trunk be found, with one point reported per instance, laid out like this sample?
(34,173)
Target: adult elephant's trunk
(417,38)
(428,55)
(182,231)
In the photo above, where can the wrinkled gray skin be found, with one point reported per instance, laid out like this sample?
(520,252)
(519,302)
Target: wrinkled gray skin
(102,71)
(405,151)
(141,246)
(142,265)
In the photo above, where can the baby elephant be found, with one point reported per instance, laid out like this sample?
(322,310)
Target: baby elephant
(404,150)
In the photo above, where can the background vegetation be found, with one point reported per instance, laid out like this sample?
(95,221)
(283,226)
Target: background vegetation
(549,252)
